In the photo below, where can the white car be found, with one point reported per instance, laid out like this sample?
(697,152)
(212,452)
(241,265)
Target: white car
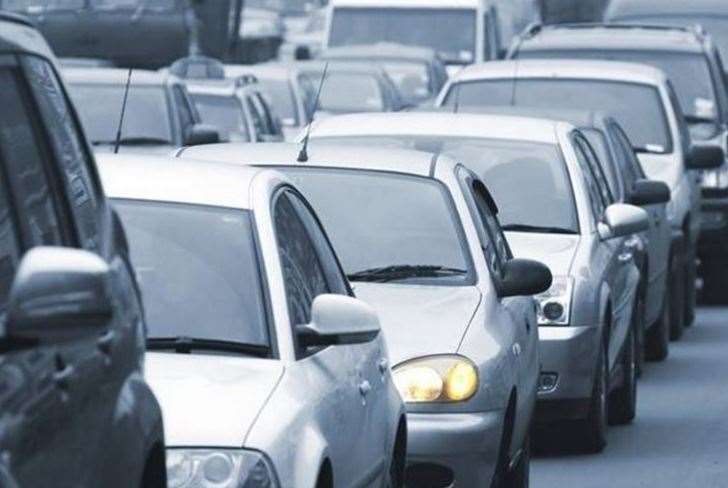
(268,370)
(418,235)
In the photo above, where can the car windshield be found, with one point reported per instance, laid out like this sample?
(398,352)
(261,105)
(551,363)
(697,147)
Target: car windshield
(281,93)
(638,108)
(346,92)
(379,220)
(688,72)
(287,7)
(225,113)
(412,78)
(451,32)
(197,269)
(146,115)
(510,169)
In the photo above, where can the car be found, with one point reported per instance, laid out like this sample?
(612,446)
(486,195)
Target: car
(418,72)
(304,38)
(642,100)
(461,31)
(710,14)
(426,250)
(691,60)
(75,409)
(268,369)
(556,207)
(261,33)
(281,82)
(159,115)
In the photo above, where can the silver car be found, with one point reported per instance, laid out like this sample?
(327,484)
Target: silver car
(418,235)
(268,370)
(556,207)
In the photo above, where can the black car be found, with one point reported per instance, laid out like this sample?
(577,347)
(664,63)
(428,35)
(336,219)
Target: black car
(74,407)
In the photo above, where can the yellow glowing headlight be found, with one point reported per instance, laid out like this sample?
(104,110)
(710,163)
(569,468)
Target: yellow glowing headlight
(436,379)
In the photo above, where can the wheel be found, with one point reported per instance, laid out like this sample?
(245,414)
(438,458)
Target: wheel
(690,289)
(593,429)
(639,334)
(623,400)
(714,273)
(519,475)
(657,339)
(677,298)
(395,474)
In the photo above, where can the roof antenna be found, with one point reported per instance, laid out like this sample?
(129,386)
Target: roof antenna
(515,83)
(456,102)
(117,142)
(303,154)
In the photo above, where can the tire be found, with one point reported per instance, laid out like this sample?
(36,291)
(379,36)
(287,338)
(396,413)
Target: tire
(639,334)
(715,282)
(657,339)
(677,298)
(394,478)
(593,430)
(690,289)
(623,400)
(519,475)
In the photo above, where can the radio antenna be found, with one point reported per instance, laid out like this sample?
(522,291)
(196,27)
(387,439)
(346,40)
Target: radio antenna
(117,142)
(303,154)
(515,83)
(456,102)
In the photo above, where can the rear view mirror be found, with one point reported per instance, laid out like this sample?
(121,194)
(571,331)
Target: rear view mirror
(649,192)
(338,319)
(622,220)
(705,157)
(59,294)
(522,277)
(202,134)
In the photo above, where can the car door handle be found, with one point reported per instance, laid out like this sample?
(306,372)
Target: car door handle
(63,376)
(364,388)
(106,342)
(383,365)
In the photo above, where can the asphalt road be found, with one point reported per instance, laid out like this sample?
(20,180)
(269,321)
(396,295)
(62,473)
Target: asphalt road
(680,436)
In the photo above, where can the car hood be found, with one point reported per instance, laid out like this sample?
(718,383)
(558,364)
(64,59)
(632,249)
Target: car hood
(662,167)
(420,320)
(210,400)
(554,250)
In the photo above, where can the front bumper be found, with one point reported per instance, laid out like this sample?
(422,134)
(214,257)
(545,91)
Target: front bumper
(571,354)
(462,448)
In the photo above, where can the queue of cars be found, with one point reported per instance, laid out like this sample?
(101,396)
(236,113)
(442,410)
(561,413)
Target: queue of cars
(431,270)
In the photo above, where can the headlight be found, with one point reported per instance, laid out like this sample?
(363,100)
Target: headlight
(715,178)
(218,468)
(443,379)
(554,305)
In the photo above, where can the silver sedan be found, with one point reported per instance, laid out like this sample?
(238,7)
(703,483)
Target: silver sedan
(269,372)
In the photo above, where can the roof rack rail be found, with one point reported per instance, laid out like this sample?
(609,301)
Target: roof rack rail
(696,29)
(16,18)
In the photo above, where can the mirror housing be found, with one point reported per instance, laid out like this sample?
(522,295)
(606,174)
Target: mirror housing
(649,192)
(704,156)
(339,320)
(522,277)
(59,294)
(202,134)
(621,220)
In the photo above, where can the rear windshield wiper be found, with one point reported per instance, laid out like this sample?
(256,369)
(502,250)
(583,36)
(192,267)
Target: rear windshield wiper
(544,229)
(133,141)
(404,271)
(186,345)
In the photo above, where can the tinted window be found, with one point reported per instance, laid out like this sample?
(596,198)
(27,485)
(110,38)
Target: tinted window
(198,271)
(592,186)
(377,220)
(303,273)
(187,117)
(598,171)
(638,108)
(256,116)
(451,32)
(348,92)
(9,245)
(412,79)
(225,113)
(146,116)
(598,142)
(499,254)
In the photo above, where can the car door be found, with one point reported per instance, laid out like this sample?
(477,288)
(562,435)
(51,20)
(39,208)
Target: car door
(337,392)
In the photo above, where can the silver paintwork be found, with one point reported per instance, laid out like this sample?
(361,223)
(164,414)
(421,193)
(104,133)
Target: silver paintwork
(300,412)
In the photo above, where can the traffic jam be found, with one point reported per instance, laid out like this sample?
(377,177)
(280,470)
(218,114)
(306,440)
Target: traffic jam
(363,243)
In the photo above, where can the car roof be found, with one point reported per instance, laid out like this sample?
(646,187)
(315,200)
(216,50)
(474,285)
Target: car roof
(624,8)
(167,179)
(18,34)
(438,123)
(410,3)
(563,68)
(320,155)
(115,76)
(612,36)
(211,87)
(576,117)
(280,71)
(356,67)
(380,50)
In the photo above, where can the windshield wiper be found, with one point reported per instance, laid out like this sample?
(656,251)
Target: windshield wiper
(186,345)
(133,141)
(404,271)
(544,229)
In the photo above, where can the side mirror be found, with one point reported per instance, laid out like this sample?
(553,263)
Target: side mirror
(59,294)
(338,319)
(523,277)
(622,220)
(202,134)
(705,157)
(649,192)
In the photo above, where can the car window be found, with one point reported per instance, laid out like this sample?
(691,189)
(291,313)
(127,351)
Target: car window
(303,274)
(592,186)
(268,118)
(491,222)
(623,159)
(69,149)
(186,116)
(634,168)
(24,154)
(10,251)
(258,122)
(598,171)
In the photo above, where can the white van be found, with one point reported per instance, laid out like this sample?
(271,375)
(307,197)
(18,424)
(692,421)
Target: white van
(461,31)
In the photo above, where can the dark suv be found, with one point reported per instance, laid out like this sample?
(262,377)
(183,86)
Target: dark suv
(692,62)
(74,407)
